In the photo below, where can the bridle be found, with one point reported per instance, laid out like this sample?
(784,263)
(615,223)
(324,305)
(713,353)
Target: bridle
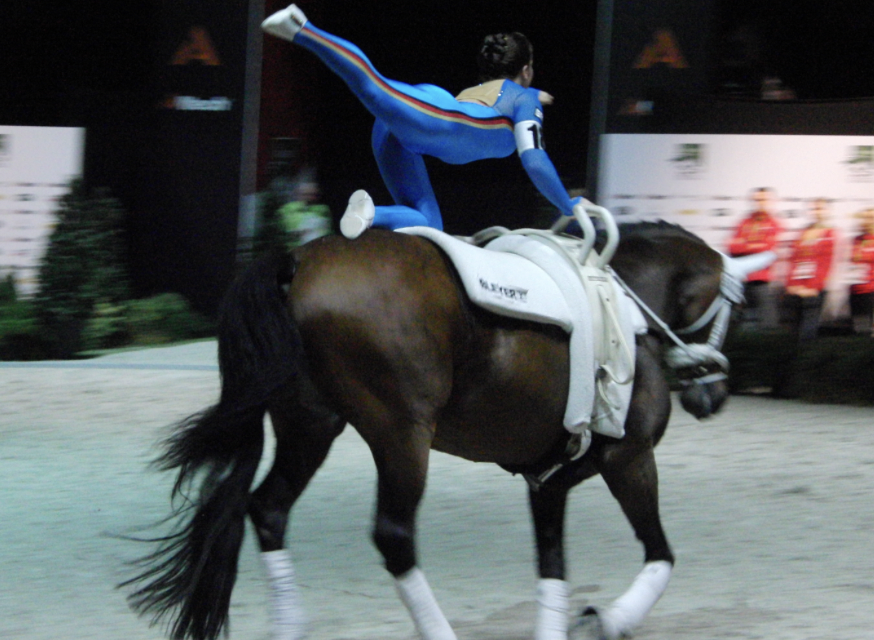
(700,363)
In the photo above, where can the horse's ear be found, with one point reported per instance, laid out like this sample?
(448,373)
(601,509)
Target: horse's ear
(745,265)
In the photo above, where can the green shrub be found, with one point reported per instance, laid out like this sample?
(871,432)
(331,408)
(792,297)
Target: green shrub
(20,334)
(165,318)
(16,317)
(8,292)
(83,267)
(107,328)
(83,300)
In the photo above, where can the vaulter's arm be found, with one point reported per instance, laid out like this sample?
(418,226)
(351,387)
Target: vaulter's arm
(529,145)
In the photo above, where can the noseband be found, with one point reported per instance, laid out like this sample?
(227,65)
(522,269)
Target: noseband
(699,363)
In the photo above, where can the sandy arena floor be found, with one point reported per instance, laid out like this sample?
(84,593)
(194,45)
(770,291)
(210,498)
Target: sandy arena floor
(769,509)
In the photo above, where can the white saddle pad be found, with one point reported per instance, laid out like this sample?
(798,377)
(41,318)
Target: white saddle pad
(541,287)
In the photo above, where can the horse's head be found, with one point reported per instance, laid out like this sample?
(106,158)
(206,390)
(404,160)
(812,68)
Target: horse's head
(707,389)
(687,291)
(703,305)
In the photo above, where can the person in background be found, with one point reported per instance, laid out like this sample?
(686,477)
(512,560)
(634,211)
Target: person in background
(491,120)
(809,268)
(758,232)
(304,218)
(862,290)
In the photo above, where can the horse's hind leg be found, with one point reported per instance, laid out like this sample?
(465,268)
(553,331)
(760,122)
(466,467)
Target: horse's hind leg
(401,457)
(302,443)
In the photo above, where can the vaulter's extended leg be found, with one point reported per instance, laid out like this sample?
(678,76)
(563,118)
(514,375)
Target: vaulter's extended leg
(426,118)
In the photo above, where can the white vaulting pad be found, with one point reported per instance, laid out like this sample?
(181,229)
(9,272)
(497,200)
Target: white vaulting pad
(504,283)
(606,322)
(512,285)
(581,392)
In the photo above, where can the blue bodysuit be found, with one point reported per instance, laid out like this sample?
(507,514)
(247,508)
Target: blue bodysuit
(413,121)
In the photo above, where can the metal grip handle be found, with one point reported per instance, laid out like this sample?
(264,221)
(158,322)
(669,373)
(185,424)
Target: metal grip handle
(582,211)
(611,228)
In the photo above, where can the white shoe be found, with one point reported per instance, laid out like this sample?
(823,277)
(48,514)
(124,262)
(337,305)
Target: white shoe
(358,216)
(285,24)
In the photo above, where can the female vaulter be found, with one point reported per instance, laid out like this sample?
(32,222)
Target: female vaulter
(490,120)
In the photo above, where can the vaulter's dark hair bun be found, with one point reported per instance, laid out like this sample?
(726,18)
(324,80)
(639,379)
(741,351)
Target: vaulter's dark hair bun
(503,55)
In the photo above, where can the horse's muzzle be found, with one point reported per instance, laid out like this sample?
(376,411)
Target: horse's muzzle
(703,399)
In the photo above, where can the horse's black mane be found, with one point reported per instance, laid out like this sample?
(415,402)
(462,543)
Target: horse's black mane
(654,228)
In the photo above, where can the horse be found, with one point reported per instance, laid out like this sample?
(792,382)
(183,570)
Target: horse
(377,333)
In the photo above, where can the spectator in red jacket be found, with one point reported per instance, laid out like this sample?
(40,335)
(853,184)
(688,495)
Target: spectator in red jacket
(809,268)
(862,290)
(758,232)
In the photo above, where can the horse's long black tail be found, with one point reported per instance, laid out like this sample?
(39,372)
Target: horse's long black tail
(188,580)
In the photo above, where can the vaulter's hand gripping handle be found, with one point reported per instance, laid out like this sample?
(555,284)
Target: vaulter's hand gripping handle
(582,210)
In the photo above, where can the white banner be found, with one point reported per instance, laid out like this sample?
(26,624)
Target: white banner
(704,183)
(36,165)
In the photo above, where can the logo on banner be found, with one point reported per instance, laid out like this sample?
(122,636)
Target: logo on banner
(196,50)
(860,163)
(689,160)
(663,49)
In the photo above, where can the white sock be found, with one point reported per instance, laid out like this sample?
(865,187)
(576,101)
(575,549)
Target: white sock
(286,606)
(552,610)
(629,609)
(420,602)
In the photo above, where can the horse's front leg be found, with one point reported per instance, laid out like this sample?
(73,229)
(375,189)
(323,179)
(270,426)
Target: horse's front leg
(401,456)
(628,467)
(635,487)
(548,504)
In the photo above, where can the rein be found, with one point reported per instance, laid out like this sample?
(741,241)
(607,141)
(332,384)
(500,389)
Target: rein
(700,356)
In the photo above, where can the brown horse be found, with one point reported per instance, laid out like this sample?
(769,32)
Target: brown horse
(377,333)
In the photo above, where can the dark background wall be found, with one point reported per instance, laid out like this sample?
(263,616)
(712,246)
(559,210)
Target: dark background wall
(821,50)
(732,49)
(720,57)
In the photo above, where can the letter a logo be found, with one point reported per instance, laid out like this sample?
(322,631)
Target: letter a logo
(197,47)
(662,50)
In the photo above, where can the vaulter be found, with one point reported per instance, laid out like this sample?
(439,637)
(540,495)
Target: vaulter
(490,120)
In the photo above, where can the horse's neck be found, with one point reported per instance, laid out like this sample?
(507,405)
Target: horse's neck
(659,274)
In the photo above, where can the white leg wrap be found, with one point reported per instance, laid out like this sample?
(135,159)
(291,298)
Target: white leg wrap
(286,607)
(420,602)
(552,610)
(631,608)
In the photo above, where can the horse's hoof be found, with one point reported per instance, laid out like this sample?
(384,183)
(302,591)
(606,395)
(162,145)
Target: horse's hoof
(588,626)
